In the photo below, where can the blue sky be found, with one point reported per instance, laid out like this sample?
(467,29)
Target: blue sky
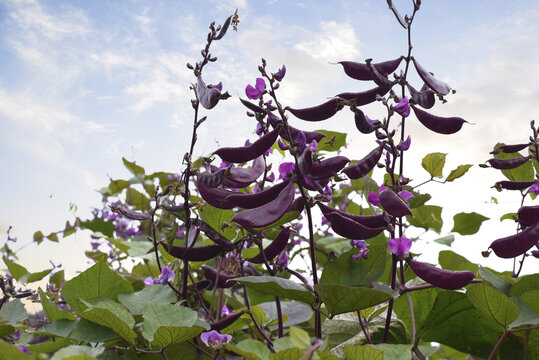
(83,83)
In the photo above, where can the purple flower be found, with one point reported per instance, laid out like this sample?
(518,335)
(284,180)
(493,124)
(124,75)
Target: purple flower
(285,169)
(283,259)
(406,195)
(256,189)
(270,177)
(313,146)
(300,141)
(282,145)
(218,86)
(226,312)
(256,92)
(23,349)
(166,275)
(258,130)
(174,176)
(16,336)
(403,107)
(400,246)
(279,75)
(373,198)
(148,281)
(405,145)
(325,220)
(362,246)
(535,188)
(214,339)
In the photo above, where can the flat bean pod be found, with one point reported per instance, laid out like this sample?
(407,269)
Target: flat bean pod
(423,98)
(243,154)
(221,281)
(317,113)
(200,253)
(445,279)
(380,79)
(130,214)
(327,167)
(394,204)
(363,125)
(240,177)
(297,205)
(309,135)
(515,245)
(438,124)
(273,249)
(438,86)
(215,197)
(177,208)
(509,149)
(371,221)
(360,71)
(229,320)
(528,215)
(364,166)
(504,164)
(351,229)
(365,97)
(208,97)
(514,185)
(211,180)
(253,107)
(251,201)
(268,213)
(213,235)
(224,28)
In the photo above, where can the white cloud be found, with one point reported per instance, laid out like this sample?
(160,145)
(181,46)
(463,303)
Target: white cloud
(334,42)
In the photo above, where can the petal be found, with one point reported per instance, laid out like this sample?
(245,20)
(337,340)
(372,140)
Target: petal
(252,93)
(405,145)
(406,195)
(374,199)
(260,85)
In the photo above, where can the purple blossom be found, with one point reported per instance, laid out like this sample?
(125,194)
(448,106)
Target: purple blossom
(166,275)
(283,259)
(300,141)
(406,195)
(324,221)
(226,312)
(362,246)
(16,336)
(258,130)
(256,92)
(399,246)
(535,188)
(285,169)
(23,349)
(270,177)
(279,75)
(313,146)
(174,176)
(247,142)
(403,107)
(217,86)
(256,189)
(405,145)
(373,197)
(282,145)
(214,339)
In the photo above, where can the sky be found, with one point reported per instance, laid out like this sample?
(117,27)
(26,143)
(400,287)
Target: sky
(83,83)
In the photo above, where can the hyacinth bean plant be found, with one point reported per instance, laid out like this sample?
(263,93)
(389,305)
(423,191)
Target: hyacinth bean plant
(261,252)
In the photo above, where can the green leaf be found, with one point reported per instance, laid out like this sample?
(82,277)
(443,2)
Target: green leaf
(50,346)
(395,351)
(250,349)
(327,145)
(38,237)
(468,223)
(136,302)
(115,187)
(522,173)
(349,271)
(287,354)
(52,237)
(16,270)
(104,227)
(108,313)
(11,352)
(531,298)
(216,217)
(166,324)
(526,316)
(341,299)
(62,327)
(300,338)
(295,312)
(446,240)
(418,199)
(525,284)
(355,352)
(458,172)
(434,164)
(423,302)
(450,260)
(137,199)
(13,311)
(133,167)
(89,331)
(57,278)
(79,351)
(6,330)
(276,286)
(508,216)
(52,310)
(97,281)
(33,277)
(493,303)
(497,282)
(428,217)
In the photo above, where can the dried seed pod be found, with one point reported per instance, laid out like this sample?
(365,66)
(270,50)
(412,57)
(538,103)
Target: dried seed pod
(365,125)
(509,149)
(200,253)
(504,164)
(208,97)
(445,279)
(273,249)
(364,166)
(317,113)
(394,204)
(221,280)
(528,215)
(130,214)
(213,235)
(251,201)
(268,213)
(247,153)
(254,108)
(438,124)
(423,98)
(515,245)
(240,177)
(211,180)
(351,229)
(371,221)
(438,86)
(229,320)
(360,71)
(513,185)
(365,97)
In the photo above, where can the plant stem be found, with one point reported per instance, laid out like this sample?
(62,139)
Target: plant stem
(364,328)
(498,344)
(390,305)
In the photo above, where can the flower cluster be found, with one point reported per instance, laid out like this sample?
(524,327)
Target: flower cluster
(165,276)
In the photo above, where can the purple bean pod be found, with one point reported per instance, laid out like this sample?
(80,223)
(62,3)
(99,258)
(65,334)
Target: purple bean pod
(223,281)
(254,108)
(251,201)
(360,71)
(240,177)
(364,166)
(130,214)
(273,249)
(351,229)
(528,215)
(505,164)
(509,149)
(268,213)
(438,124)
(438,86)
(200,253)
(317,113)
(365,97)
(177,208)
(363,124)
(424,98)
(208,97)
(513,185)
(371,221)
(215,196)
(211,180)
(515,245)
(224,28)
(378,78)
(297,205)
(309,135)
(243,154)
(394,204)
(327,167)
(213,235)
(229,320)
(445,279)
